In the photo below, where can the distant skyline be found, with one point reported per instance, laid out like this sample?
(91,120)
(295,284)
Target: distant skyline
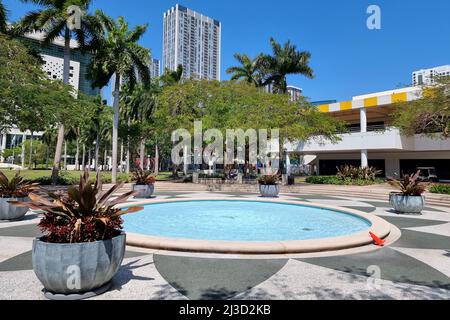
(348,59)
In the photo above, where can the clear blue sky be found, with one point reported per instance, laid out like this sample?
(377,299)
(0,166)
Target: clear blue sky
(348,59)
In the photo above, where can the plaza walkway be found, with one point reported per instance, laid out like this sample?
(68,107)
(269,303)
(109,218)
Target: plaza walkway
(416,266)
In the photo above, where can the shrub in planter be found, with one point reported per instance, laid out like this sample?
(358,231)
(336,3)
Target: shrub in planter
(268,186)
(83,246)
(410,199)
(144,184)
(14,189)
(357,173)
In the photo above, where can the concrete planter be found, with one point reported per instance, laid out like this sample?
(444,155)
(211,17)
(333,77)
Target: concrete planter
(407,204)
(269,191)
(145,191)
(77,269)
(12,212)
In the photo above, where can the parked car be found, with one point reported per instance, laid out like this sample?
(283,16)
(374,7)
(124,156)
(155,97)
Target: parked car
(427,174)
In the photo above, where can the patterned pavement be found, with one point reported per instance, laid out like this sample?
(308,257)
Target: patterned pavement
(417,266)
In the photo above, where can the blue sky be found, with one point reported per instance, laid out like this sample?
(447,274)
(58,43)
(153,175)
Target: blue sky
(348,58)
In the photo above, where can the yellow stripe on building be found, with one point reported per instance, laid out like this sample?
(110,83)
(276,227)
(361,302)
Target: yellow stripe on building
(324,108)
(346,105)
(371,102)
(399,97)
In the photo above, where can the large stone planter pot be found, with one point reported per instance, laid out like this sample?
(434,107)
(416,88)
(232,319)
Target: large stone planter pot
(269,191)
(77,271)
(12,212)
(407,204)
(145,191)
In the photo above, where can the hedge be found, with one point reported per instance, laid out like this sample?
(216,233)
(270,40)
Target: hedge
(440,189)
(334,180)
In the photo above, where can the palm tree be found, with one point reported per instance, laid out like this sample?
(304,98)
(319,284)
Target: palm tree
(141,103)
(248,70)
(171,77)
(119,54)
(53,20)
(285,60)
(3,18)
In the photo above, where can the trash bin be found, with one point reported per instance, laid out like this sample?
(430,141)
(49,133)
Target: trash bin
(291,180)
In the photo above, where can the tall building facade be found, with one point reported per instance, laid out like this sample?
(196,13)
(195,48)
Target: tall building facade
(295,93)
(192,40)
(53,56)
(155,68)
(427,77)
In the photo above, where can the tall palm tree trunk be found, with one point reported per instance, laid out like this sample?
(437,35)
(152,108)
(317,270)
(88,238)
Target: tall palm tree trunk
(77,156)
(89,159)
(142,154)
(65,156)
(121,156)
(97,151)
(47,157)
(105,160)
(115,134)
(83,160)
(22,156)
(30,158)
(128,168)
(156,159)
(128,155)
(66,79)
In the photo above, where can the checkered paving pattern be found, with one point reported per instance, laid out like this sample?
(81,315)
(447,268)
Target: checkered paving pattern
(417,266)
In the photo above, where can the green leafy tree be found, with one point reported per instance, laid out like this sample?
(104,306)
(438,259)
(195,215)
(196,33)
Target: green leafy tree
(429,115)
(238,105)
(26,94)
(285,60)
(119,54)
(249,69)
(52,20)
(84,110)
(141,103)
(172,77)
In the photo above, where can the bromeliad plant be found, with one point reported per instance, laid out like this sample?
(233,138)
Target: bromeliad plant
(82,214)
(143,178)
(16,187)
(269,180)
(409,185)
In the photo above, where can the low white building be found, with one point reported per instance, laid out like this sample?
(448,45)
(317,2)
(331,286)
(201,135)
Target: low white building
(428,77)
(371,142)
(294,92)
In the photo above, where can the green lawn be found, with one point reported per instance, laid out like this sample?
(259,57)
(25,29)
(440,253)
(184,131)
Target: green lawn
(72,177)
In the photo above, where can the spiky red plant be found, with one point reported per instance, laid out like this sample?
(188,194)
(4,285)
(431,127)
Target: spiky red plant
(82,214)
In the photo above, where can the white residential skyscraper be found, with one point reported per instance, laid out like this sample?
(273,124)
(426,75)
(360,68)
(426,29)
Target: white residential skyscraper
(427,77)
(155,68)
(192,40)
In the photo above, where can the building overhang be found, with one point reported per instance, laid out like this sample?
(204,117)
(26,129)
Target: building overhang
(390,140)
(385,98)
